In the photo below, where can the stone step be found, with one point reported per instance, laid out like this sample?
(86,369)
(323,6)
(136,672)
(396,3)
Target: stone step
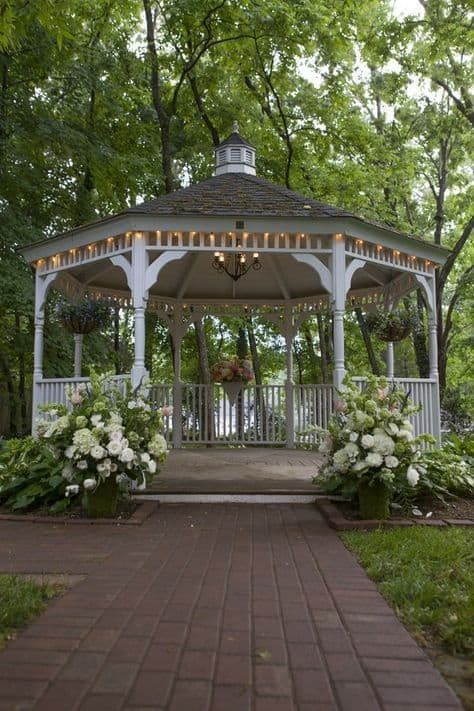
(270,497)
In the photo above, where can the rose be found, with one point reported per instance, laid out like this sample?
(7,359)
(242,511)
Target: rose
(72,490)
(391,462)
(98,452)
(127,455)
(367,441)
(82,464)
(89,484)
(374,459)
(114,447)
(167,410)
(76,398)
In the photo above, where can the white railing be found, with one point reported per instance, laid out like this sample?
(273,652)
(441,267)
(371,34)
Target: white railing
(424,392)
(259,415)
(313,405)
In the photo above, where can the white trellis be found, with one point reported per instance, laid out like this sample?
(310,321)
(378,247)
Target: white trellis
(314,258)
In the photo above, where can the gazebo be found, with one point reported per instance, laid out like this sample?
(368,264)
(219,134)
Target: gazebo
(300,256)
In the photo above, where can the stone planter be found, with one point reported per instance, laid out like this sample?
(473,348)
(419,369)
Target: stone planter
(102,503)
(374,500)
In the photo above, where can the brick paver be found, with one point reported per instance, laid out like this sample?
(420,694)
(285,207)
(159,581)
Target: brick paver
(219,607)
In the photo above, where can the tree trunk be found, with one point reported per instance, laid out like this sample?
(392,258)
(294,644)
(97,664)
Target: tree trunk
(260,404)
(419,337)
(21,375)
(308,337)
(367,341)
(12,400)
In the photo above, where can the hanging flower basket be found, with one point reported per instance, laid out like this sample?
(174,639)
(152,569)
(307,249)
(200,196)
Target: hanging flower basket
(389,325)
(84,316)
(234,374)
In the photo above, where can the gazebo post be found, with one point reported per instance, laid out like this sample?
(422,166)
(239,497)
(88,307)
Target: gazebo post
(139,301)
(390,357)
(78,341)
(434,373)
(177,391)
(289,383)
(338,272)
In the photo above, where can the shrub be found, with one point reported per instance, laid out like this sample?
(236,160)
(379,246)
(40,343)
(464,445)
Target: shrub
(31,476)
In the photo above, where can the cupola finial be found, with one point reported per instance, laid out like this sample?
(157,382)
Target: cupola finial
(235,127)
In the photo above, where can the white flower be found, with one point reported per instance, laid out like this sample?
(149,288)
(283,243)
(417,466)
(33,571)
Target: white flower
(89,484)
(97,420)
(359,467)
(152,466)
(392,428)
(391,462)
(167,410)
(367,441)
(68,471)
(72,490)
(145,457)
(353,437)
(132,404)
(98,452)
(84,440)
(352,450)
(157,446)
(127,455)
(383,444)
(114,447)
(405,434)
(82,464)
(341,461)
(374,459)
(69,452)
(412,476)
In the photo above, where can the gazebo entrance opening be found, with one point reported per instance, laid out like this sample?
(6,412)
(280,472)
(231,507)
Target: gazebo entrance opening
(312,257)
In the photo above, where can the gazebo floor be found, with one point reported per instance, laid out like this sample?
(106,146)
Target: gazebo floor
(238,471)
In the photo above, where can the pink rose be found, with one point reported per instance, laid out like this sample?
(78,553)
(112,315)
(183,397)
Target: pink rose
(339,406)
(76,398)
(167,410)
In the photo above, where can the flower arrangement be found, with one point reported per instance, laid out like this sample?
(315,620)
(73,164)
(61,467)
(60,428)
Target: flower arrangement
(233,370)
(84,316)
(389,325)
(370,445)
(105,440)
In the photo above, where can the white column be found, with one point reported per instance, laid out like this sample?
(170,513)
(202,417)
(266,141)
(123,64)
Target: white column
(177,393)
(338,274)
(139,297)
(390,361)
(78,340)
(37,368)
(434,374)
(290,381)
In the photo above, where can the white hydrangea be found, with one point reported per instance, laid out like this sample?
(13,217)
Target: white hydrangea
(374,459)
(84,440)
(152,466)
(68,471)
(353,437)
(383,444)
(391,462)
(405,434)
(367,441)
(89,484)
(352,450)
(341,461)
(145,457)
(412,476)
(157,446)
(69,452)
(392,428)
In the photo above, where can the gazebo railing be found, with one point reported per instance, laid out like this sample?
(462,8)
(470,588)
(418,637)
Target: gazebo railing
(259,415)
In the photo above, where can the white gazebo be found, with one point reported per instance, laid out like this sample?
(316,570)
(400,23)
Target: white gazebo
(163,255)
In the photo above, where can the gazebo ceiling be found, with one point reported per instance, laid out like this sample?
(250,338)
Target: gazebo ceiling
(193,278)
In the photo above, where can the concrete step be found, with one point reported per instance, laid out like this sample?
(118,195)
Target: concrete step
(270,497)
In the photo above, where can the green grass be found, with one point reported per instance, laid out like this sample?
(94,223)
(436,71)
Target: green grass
(21,600)
(427,575)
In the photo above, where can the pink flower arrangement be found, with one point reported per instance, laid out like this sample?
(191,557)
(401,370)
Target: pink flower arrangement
(233,369)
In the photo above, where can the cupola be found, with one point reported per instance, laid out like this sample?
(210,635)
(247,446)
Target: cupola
(234,155)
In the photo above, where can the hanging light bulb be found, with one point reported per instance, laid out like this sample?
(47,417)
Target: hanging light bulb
(234,264)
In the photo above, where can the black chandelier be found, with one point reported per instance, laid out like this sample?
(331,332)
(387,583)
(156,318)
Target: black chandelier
(235,263)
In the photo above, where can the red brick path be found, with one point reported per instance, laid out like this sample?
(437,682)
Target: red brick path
(222,607)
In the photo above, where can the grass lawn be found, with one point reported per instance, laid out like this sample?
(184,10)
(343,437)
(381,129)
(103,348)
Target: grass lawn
(427,575)
(21,600)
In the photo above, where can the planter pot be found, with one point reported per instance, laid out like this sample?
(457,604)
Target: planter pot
(102,503)
(374,500)
(232,389)
(394,333)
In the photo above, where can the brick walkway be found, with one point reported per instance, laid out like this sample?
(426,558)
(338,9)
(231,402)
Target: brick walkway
(222,607)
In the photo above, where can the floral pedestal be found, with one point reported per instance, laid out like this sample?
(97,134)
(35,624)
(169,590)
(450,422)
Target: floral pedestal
(102,503)
(374,500)
(232,389)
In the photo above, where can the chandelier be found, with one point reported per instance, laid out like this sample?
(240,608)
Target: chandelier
(235,264)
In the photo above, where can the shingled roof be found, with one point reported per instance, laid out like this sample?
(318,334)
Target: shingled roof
(237,194)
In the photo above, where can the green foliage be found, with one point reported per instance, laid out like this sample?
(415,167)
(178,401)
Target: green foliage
(427,575)
(84,316)
(21,600)
(389,325)
(30,476)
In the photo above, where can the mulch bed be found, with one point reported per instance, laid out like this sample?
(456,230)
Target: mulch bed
(130,513)
(343,516)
